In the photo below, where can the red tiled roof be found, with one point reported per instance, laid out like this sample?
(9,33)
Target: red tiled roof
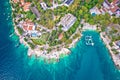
(115,1)
(114,8)
(28,25)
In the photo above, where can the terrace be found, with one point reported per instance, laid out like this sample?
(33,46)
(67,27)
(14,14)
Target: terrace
(68,2)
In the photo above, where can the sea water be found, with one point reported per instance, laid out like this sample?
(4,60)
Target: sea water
(84,62)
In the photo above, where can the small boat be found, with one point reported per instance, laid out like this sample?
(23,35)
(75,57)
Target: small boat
(11,35)
(17,45)
(88,37)
(92,44)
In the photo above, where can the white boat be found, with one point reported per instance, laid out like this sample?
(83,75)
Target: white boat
(88,37)
(11,35)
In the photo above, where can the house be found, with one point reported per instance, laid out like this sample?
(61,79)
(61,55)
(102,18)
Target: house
(106,4)
(117,13)
(68,2)
(116,2)
(67,21)
(28,26)
(118,43)
(15,1)
(60,36)
(43,5)
(22,2)
(35,11)
(95,10)
(111,8)
(26,6)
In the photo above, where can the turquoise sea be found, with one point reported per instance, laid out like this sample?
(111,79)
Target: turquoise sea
(84,62)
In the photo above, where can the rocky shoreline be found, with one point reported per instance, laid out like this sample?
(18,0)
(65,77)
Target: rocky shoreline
(115,59)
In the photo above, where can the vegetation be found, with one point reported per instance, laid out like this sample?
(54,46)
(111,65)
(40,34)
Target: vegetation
(49,3)
(30,15)
(42,40)
(20,30)
(114,51)
(79,8)
(25,39)
(31,45)
(38,41)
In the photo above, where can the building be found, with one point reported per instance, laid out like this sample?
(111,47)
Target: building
(23,4)
(95,10)
(111,8)
(117,2)
(28,26)
(26,6)
(68,2)
(35,11)
(15,1)
(118,13)
(60,36)
(29,29)
(43,5)
(67,21)
(118,43)
(106,4)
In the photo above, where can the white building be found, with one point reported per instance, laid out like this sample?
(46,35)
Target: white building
(106,5)
(118,13)
(43,5)
(67,21)
(95,10)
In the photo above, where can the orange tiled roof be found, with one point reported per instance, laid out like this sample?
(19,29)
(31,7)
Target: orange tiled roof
(115,1)
(22,2)
(114,8)
(28,25)
(60,36)
(30,28)
(26,6)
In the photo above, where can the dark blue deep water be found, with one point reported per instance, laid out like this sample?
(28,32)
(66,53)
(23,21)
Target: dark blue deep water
(84,63)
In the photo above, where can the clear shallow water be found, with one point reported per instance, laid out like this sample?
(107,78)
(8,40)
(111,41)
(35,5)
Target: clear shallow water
(84,63)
